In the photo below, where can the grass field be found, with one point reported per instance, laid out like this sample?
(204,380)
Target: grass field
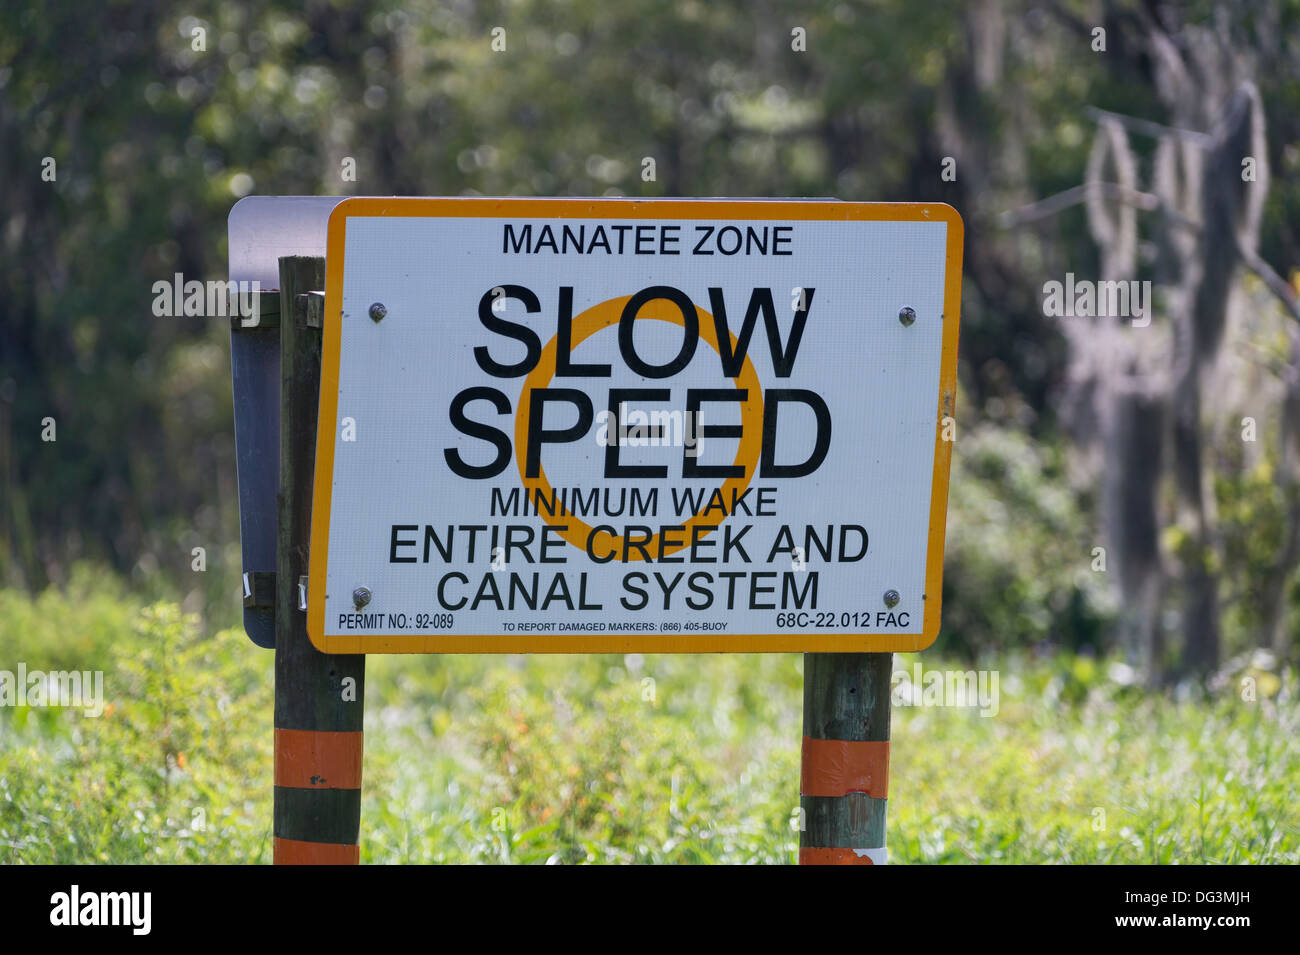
(621,759)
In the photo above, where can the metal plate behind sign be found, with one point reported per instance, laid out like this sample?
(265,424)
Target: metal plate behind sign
(813,520)
(260,230)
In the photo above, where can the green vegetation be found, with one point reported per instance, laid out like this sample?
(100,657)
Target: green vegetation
(610,759)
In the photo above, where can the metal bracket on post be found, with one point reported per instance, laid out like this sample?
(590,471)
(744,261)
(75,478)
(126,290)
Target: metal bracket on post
(259,589)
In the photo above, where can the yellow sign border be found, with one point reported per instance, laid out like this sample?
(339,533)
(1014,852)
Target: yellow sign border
(614,642)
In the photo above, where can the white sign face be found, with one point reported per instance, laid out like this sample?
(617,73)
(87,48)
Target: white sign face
(592,425)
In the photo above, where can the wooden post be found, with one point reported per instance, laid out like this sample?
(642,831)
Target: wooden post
(319,698)
(844,778)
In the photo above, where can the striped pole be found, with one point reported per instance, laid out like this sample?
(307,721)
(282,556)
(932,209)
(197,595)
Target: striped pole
(844,773)
(319,698)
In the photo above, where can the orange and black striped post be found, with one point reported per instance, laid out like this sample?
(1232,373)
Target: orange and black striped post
(844,776)
(319,697)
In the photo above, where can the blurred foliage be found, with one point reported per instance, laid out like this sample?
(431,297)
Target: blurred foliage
(612,759)
(1020,567)
(155,139)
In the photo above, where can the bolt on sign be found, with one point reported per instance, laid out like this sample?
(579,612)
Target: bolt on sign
(611,425)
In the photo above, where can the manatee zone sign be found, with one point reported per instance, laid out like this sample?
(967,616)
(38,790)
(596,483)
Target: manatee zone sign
(612,425)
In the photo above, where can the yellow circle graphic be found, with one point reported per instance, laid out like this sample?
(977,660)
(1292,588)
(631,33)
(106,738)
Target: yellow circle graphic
(606,315)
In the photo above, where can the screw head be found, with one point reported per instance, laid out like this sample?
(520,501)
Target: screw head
(361,596)
(377,311)
(906,315)
(891,599)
